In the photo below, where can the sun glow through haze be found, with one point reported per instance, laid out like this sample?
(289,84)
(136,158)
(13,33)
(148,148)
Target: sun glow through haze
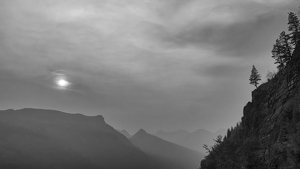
(62,83)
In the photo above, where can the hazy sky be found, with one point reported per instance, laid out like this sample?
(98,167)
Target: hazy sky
(152,64)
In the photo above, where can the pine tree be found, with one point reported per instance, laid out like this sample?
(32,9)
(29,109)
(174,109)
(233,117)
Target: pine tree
(282,50)
(294,28)
(254,77)
(228,133)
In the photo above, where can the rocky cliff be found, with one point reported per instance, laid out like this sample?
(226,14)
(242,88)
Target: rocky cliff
(268,136)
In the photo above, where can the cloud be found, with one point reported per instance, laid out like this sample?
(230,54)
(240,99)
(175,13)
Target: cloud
(148,58)
(224,26)
(147,42)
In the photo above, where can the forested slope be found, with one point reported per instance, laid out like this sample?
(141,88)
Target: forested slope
(268,136)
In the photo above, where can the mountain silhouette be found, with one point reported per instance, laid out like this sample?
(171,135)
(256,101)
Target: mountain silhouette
(125,133)
(194,140)
(35,138)
(178,157)
(173,136)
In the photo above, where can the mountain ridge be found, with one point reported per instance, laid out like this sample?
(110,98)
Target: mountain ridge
(37,138)
(180,156)
(192,140)
(125,133)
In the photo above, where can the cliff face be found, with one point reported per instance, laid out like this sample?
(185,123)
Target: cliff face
(268,135)
(273,119)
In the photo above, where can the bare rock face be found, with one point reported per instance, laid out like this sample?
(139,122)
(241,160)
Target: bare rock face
(268,136)
(272,118)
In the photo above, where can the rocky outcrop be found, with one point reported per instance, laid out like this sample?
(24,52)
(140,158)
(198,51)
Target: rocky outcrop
(268,136)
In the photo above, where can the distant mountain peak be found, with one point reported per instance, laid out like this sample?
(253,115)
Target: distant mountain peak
(124,130)
(141,134)
(141,131)
(180,156)
(182,131)
(125,133)
(202,131)
(53,134)
(159,132)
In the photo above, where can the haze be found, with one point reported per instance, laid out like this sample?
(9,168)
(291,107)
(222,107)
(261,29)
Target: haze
(152,64)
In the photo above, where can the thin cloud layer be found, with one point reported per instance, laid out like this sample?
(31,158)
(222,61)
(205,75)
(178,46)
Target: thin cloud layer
(140,62)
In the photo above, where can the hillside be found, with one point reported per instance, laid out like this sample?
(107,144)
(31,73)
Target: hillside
(125,133)
(35,138)
(193,140)
(173,136)
(268,136)
(168,153)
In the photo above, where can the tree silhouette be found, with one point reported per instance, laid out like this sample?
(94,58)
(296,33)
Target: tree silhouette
(250,144)
(294,27)
(254,77)
(282,50)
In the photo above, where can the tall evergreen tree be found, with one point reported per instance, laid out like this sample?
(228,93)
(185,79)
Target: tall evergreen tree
(228,133)
(294,28)
(276,54)
(254,77)
(282,50)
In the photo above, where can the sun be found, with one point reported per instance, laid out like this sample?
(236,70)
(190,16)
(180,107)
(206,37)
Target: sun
(62,83)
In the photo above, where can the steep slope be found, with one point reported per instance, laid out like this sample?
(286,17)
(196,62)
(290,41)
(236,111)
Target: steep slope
(34,138)
(268,136)
(172,155)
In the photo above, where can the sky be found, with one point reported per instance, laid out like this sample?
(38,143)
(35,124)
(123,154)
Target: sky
(151,64)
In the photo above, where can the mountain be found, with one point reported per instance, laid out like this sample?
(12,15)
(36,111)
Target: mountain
(197,139)
(35,138)
(170,154)
(221,132)
(125,133)
(194,140)
(268,136)
(173,136)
